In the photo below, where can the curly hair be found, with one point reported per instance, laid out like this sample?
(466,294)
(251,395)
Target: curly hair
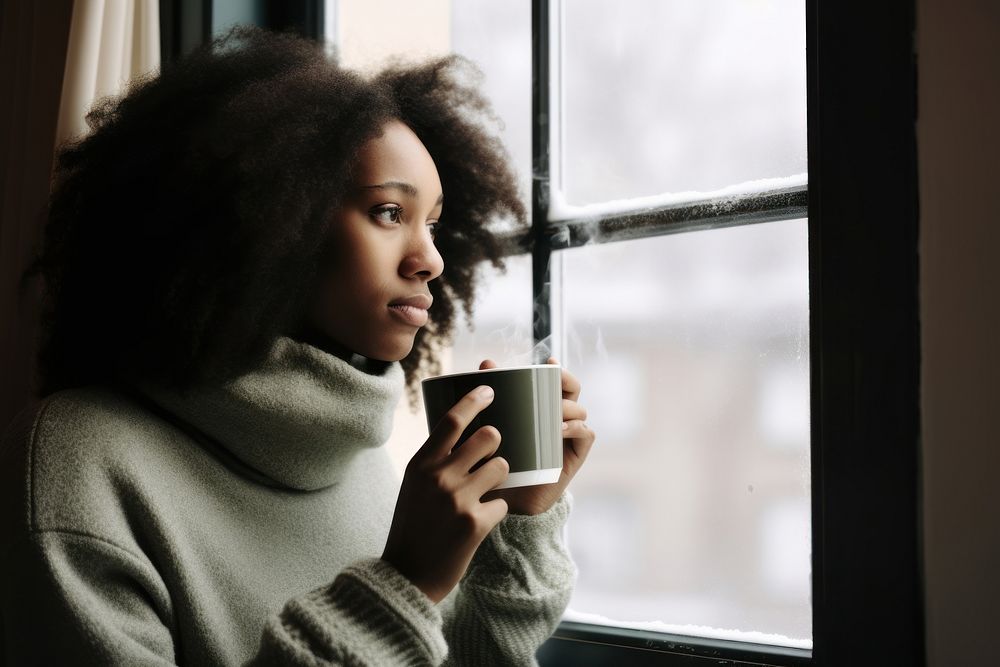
(185,232)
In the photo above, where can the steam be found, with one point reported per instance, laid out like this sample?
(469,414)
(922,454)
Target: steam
(511,344)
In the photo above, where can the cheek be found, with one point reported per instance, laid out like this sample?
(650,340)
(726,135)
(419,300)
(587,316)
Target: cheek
(362,265)
(332,287)
(350,287)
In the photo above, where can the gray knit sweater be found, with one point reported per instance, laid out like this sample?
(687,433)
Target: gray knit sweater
(243,525)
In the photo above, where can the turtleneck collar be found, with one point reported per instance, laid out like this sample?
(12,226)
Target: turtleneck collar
(300,418)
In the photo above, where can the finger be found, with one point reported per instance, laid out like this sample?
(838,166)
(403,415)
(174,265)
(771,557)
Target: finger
(448,429)
(480,445)
(488,476)
(570,385)
(494,511)
(579,439)
(577,428)
(573,410)
(487,363)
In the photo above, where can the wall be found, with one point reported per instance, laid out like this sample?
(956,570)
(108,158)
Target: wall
(33,40)
(958,147)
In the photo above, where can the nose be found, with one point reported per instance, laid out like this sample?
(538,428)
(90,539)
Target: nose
(422,259)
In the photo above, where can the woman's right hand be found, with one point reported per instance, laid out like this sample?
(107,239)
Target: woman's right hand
(439,520)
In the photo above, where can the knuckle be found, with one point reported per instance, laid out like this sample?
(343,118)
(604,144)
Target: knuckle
(442,483)
(467,521)
(452,420)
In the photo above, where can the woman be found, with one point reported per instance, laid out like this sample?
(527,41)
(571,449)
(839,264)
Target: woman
(244,263)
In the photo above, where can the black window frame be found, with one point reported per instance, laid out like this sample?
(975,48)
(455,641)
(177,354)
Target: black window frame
(861,205)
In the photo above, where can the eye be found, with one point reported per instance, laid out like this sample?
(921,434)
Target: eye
(433,226)
(387,213)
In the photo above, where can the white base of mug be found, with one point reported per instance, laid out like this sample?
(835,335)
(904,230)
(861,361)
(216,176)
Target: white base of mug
(530,478)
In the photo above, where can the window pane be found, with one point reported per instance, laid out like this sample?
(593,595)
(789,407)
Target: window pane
(501,319)
(669,96)
(694,506)
(497,37)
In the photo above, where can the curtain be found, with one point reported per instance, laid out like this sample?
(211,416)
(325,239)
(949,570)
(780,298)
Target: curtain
(110,42)
(56,59)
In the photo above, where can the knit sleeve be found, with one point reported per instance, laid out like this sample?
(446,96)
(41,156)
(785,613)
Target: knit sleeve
(514,592)
(79,599)
(369,616)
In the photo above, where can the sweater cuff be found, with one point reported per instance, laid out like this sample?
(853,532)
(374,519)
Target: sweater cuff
(377,580)
(526,555)
(370,615)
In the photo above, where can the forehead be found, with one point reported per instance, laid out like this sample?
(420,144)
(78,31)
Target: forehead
(397,155)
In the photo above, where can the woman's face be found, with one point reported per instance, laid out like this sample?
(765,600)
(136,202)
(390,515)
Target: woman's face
(375,296)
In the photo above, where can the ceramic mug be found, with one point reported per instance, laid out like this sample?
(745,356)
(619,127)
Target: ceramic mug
(526,409)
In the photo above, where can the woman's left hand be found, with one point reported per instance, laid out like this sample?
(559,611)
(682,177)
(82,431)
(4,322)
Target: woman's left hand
(577,441)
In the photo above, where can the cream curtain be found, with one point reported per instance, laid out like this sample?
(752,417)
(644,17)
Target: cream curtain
(56,59)
(110,42)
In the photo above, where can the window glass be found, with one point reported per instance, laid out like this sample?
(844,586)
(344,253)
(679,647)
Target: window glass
(669,96)
(693,507)
(497,37)
(692,515)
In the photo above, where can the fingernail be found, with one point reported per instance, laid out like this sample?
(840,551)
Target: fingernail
(565,425)
(485,391)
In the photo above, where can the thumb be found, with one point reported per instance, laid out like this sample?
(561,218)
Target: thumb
(487,363)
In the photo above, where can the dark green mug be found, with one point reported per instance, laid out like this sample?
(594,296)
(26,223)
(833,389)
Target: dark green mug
(526,409)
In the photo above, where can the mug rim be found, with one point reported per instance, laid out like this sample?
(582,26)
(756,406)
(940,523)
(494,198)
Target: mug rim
(492,370)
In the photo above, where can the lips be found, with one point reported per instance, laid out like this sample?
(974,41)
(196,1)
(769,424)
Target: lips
(412,310)
(422,301)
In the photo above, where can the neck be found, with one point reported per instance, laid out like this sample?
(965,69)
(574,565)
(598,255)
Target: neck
(312,335)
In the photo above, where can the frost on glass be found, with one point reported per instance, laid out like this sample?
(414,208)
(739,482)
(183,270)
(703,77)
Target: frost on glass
(692,513)
(678,95)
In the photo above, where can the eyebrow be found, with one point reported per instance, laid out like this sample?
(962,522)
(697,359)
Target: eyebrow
(400,185)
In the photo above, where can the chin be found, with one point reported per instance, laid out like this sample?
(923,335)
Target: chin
(391,354)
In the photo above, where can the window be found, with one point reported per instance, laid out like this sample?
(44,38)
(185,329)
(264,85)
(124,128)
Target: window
(677,290)
(863,341)
(674,211)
